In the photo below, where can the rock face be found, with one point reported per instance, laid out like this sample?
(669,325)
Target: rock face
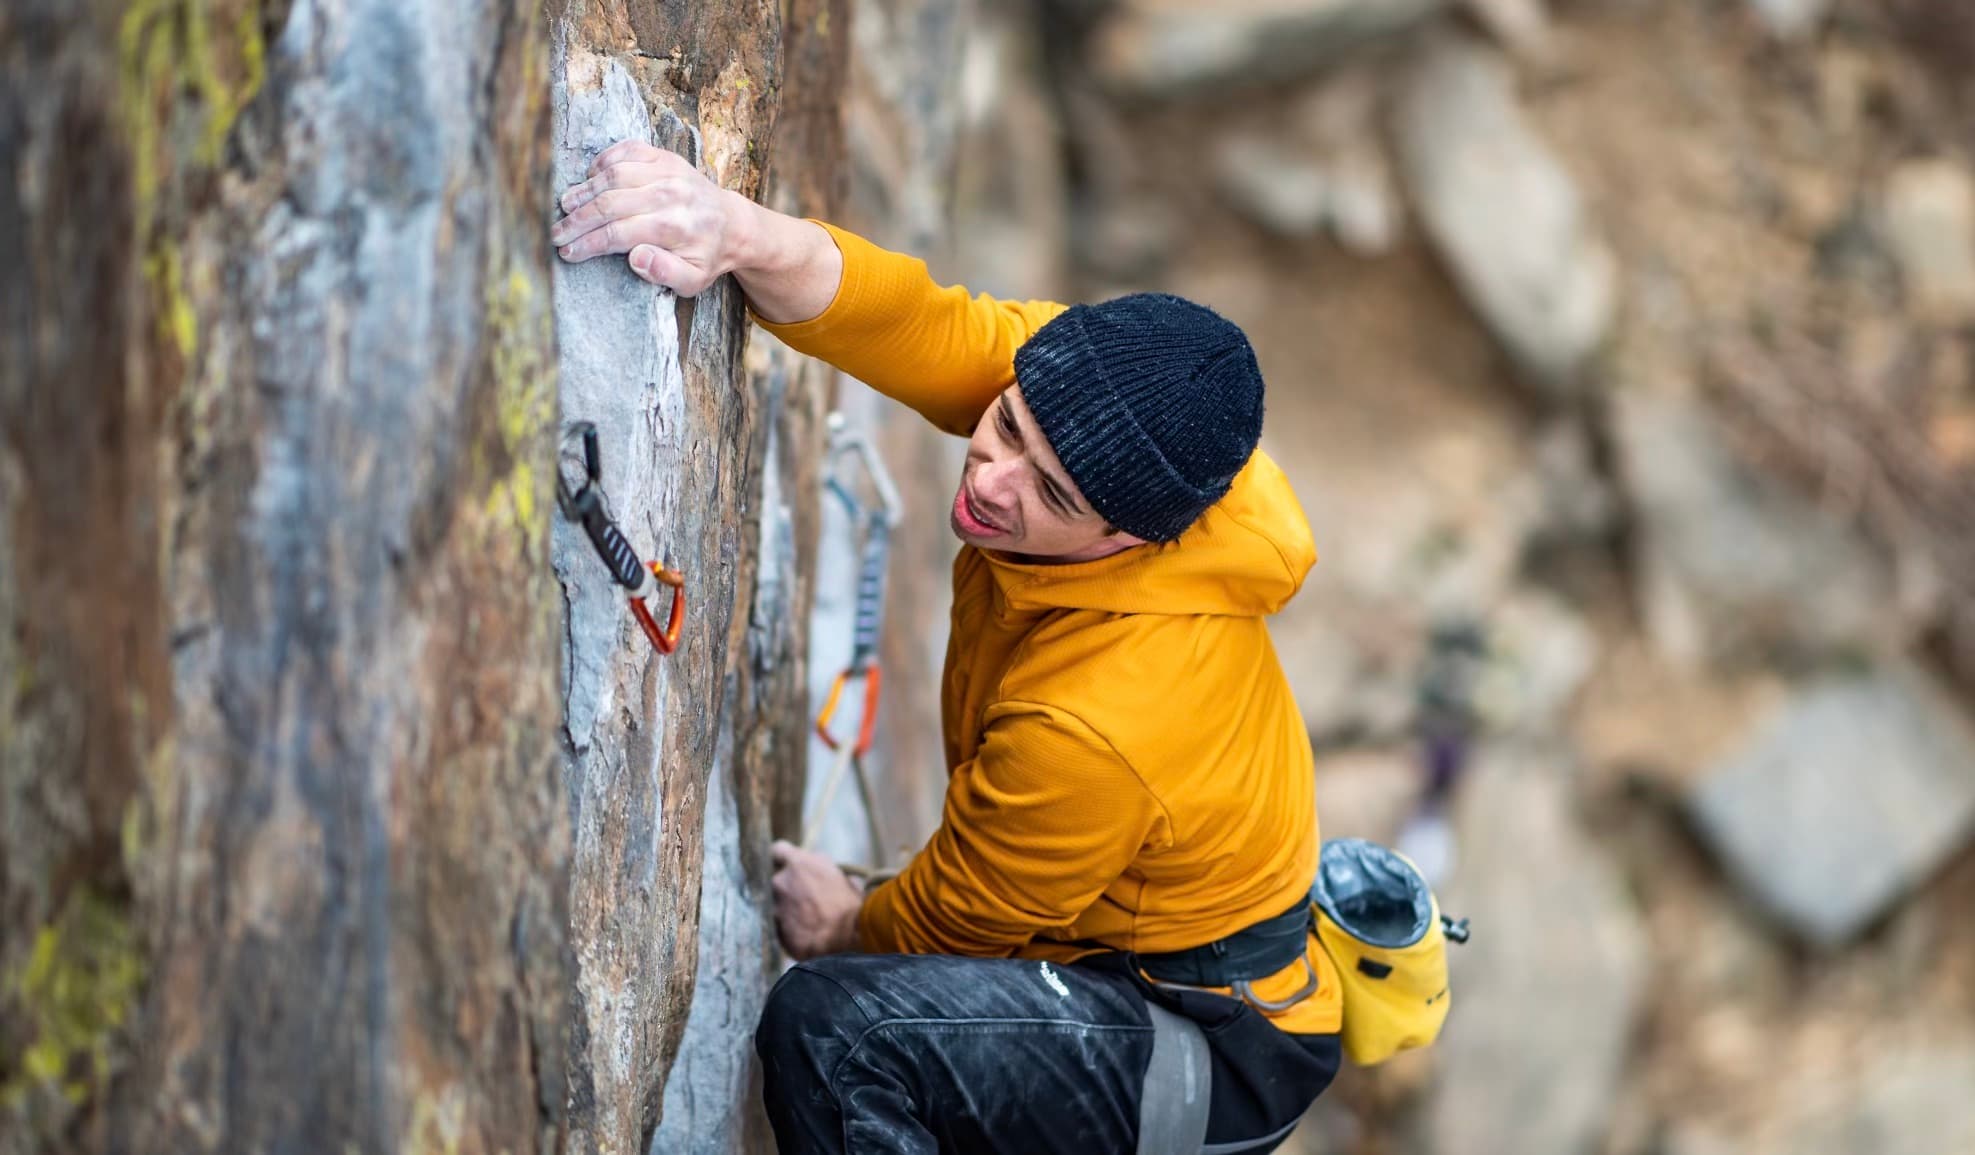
(1503,212)
(287,859)
(1853,791)
(689,449)
(712,1102)
(284,863)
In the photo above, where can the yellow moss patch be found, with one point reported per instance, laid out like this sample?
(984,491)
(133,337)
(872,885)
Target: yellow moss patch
(438,1122)
(518,335)
(177,322)
(166,50)
(145,814)
(223,101)
(76,991)
(182,84)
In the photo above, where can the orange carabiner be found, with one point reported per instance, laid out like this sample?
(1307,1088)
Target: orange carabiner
(867,727)
(666,640)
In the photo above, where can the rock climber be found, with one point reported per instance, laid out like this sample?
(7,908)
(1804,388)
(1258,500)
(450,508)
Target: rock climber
(1105,946)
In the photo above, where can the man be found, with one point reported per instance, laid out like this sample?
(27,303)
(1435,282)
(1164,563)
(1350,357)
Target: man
(1119,883)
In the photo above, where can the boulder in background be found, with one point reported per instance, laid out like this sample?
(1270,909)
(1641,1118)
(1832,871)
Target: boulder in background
(1170,48)
(1929,219)
(1503,212)
(1852,792)
(1735,564)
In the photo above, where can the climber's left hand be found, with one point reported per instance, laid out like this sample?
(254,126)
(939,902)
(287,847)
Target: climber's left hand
(816,903)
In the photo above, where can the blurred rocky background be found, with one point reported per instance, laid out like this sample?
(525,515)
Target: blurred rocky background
(1620,352)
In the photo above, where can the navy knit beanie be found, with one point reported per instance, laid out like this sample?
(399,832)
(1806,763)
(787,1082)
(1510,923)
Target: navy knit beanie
(1152,403)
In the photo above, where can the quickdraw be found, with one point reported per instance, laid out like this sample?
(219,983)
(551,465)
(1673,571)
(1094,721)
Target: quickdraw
(583,503)
(878,520)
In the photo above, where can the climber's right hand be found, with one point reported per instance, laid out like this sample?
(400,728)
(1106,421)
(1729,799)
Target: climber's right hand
(681,230)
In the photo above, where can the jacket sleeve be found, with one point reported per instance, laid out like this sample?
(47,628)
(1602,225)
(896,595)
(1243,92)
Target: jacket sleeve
(944,353)
(1035,828)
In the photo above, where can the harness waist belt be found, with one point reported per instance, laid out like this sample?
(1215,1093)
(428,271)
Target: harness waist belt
(1255,952)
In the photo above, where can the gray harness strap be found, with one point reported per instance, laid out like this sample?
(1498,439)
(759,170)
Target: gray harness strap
(1172,1110)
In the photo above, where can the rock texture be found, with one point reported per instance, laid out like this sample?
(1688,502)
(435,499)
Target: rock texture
(293,852)
(690,442)
(284,857)
(1733,564)
(1168,48)
(1846,797)
(1930,227)
(711,1102)
(1503,212)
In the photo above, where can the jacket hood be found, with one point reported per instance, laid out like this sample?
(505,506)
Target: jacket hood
(1245,557)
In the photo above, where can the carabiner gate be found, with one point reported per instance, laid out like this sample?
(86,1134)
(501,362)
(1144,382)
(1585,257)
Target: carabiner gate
(666,640)
(867,727)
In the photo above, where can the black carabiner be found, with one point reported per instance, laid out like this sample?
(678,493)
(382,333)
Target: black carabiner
(585,505)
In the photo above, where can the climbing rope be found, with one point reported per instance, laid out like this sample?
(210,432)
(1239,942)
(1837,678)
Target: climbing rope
(877,518)
(583,502)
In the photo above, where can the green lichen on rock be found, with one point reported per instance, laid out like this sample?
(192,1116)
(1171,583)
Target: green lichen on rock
(438,1122)
(75,992)
(167,50)
(182,86)
(137,831)
(177,321)
(518,342)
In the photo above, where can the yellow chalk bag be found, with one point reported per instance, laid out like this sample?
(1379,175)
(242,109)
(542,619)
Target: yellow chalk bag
(1380,924)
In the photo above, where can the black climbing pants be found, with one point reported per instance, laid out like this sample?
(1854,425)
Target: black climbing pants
(922,1054)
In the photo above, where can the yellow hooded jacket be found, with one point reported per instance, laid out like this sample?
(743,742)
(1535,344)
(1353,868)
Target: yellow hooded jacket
(1127,764)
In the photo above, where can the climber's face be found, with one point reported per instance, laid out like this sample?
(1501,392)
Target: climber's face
(1015,497)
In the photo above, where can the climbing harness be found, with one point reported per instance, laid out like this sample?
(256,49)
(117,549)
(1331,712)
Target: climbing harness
(1179,1087)
(584,504)
(1377,919)
(877,518)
